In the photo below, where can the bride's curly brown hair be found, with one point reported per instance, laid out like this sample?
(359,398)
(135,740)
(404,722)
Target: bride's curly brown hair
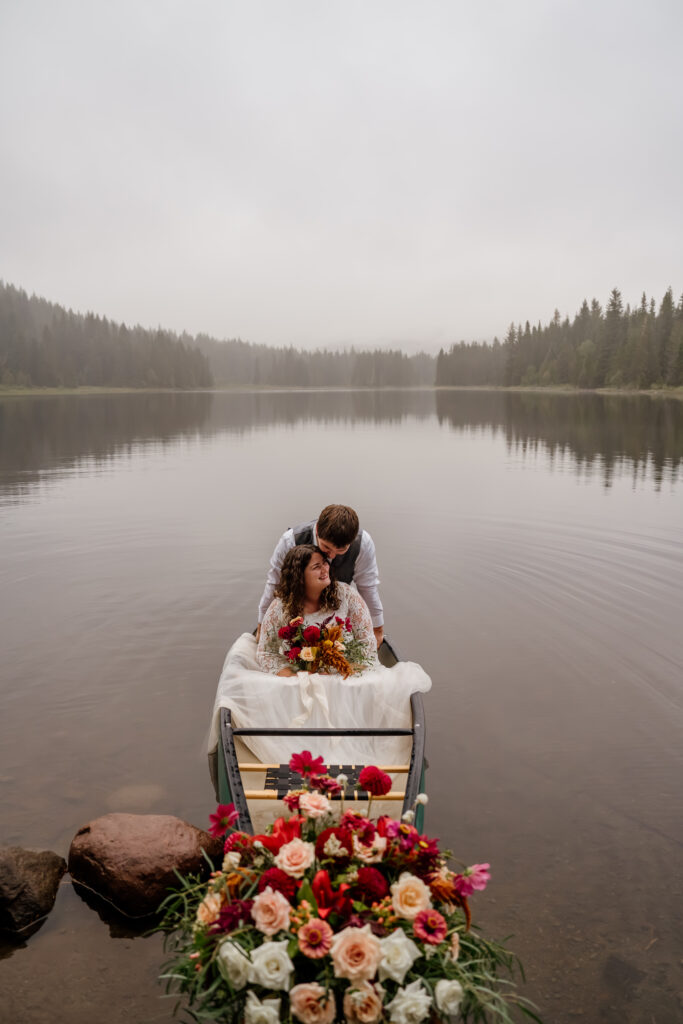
(292,586)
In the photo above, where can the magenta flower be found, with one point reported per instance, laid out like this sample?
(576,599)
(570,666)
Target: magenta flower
(327,785)
(224,818)
(430,926)
(475,877)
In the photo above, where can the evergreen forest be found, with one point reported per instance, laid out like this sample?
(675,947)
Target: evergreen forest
(44,345)
(617,347)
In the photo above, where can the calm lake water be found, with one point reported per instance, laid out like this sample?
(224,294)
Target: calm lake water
(530,553)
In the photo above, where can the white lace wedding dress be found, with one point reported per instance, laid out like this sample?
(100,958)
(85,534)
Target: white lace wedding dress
(378,697)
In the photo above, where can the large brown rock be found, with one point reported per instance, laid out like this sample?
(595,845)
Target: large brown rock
(129,859)
(29,880)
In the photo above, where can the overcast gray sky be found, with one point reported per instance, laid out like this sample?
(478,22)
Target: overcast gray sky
(318,172)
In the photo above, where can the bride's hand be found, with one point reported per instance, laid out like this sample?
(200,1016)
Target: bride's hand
(286,672)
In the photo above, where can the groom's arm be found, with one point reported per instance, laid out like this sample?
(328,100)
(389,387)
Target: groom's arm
(284,544)
(366,578)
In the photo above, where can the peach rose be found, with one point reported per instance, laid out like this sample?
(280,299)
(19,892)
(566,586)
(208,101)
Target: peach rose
(313,805)
(355,953)
(308,653)
(294,857)
(308,1003)
(370,854)
(209,909)
(270,911)
(363,1003)
(409,896)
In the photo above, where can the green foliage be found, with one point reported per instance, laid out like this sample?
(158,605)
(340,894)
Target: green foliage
(43,345)
(638,348)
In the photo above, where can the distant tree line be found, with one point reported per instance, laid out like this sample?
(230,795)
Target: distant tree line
(620,347)
(44,345)
(241,364)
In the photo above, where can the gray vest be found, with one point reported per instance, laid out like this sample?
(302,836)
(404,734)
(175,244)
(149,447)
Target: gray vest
(343,565)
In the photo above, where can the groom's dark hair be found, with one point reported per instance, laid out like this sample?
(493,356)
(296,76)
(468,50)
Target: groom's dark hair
(338,524)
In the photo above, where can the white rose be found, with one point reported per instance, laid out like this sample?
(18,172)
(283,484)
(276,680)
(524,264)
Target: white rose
(399,953)
(231,861)
(447,996)
(233,963)
(257,1012)
(271,966)
(410,1005)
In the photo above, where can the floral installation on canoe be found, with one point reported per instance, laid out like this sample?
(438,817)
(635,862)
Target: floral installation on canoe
(330,646)
(331,916)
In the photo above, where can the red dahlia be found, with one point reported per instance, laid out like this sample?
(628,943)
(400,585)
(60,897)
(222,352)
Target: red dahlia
(374,781)
(372,884)
(278,881)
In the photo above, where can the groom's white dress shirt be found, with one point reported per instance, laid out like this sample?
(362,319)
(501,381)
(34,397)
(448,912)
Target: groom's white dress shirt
(365,574)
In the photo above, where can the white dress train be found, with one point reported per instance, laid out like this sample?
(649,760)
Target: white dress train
(379,697)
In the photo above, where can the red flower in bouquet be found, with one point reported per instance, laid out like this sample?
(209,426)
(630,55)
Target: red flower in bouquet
(325,784)
(430,926)
(329,899)
(305,764)
(232,915)
(371,885)
(279,881)
(283,832)
(240,842)
(293,653)
(223,819)
(286,632)
(374,781)
(312,634)
(335,843)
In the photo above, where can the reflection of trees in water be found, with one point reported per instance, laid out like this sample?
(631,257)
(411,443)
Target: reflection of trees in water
(606,432)
(46,433)
(612,432)
(245,411)
(39,434)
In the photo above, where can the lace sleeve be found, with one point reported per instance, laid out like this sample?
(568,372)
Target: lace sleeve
(362,626)
(268,651)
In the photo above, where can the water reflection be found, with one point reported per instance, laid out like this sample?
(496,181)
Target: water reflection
(615,433)
(610,434)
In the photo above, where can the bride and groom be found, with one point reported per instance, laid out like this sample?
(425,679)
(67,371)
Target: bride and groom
(309,581)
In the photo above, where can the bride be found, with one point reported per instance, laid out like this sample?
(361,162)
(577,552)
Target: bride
(263,691)
(306,589)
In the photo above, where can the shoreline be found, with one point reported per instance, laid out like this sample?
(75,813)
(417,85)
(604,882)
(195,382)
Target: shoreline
(552,389)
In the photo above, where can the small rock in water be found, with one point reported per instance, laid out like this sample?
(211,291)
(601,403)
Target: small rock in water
(130,859)
(29,880)
(140,797)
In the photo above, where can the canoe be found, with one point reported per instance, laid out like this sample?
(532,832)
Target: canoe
(256,789)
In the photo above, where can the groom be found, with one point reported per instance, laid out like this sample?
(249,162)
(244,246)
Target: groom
(349,550)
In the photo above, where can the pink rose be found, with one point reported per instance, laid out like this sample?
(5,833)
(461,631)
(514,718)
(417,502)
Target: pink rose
(270,911)
(409,896)
(356,954)
(295,857)
(363,1003)
(307,1002)
(313,805)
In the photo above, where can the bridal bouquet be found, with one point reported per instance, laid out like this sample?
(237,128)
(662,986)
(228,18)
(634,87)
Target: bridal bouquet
(330,646)
(334,917)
